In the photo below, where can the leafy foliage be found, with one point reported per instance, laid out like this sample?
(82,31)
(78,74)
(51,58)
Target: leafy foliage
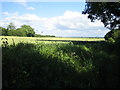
(3,31)
(12,32)
(113,35)
(43,65)
(11,26)
(24,30)
(29,30)
(107,12)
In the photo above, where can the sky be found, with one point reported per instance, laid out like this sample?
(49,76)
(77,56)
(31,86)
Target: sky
(64,19)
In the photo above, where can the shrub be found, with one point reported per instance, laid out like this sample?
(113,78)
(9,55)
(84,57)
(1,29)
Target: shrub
(60,65)
(113,35)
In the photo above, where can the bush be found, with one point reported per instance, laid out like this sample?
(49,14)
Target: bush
(60,65)
(113,35)
(40,66)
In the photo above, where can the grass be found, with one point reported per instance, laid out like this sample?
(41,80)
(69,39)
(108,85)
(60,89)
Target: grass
(60,65)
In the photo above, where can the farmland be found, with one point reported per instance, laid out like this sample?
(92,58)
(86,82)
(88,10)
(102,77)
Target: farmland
(32,56)
(16,39)
(30,63)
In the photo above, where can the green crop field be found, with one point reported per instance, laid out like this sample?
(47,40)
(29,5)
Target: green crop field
(16,39)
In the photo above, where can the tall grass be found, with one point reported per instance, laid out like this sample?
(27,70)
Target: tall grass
(55,65)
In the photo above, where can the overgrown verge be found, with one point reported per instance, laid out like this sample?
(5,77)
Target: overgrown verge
(60,66)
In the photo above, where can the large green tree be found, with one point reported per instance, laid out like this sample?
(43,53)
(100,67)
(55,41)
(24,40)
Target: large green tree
(3,31)
(11,26)
(107,12)
(12,32)
(29,30)
(21,32)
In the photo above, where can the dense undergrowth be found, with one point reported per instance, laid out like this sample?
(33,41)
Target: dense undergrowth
(43,65)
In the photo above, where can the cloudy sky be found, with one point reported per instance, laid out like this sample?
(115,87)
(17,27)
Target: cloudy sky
(52,18)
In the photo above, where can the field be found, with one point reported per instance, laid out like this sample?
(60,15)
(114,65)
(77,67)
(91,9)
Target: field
(15,39)
(30,62)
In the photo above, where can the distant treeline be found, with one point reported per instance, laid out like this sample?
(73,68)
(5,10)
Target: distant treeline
(38,35)
(85,37)
(24,30)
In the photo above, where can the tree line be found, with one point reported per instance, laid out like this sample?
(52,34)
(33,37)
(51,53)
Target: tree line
(24,30)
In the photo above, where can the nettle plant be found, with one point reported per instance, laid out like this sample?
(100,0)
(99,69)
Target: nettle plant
(4,42)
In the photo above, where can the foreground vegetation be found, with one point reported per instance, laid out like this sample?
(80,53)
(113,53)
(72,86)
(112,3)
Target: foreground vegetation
(60,65)
(63,65)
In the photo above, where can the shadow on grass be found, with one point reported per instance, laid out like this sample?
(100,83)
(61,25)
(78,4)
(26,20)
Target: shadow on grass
(24,66)
(104,57)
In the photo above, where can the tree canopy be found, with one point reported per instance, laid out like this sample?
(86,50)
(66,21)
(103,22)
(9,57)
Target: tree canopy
(24,30)
(11,30)
(113,35)
(28,29)
(11,26)
(107,12)
(3,31)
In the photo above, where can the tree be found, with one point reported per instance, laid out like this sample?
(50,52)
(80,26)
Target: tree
(107,12)
(113,35)
(3,31)
(0,31)
(12,32)
(29,30)
(21,32)
(11,26)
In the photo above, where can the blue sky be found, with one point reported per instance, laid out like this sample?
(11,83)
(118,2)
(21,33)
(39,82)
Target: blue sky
(52,18)
(43,9)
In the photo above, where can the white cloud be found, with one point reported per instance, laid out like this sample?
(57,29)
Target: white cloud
(5,13)
(69,24)
(30,8)
(24,3)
